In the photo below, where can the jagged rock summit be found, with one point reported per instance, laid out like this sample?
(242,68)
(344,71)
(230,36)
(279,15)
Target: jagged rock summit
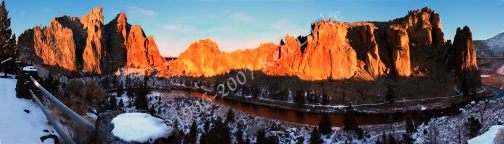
(413,45)
(87,45)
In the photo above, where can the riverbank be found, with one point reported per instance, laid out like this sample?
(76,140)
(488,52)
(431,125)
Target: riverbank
(176,103)
(402,105)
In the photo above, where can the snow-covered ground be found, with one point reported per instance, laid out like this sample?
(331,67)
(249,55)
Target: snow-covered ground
(16,125)
(140,127)
(488,137)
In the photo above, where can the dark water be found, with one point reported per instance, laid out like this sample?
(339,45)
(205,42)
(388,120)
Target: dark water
(337,119)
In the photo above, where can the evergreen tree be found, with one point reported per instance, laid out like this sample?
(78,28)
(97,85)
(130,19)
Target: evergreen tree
(130,94)
(7,39)
(315,137)
(407,139)
(152,111)
(193,132)
(141,102)
(410,127)
(391,139)
(203,139)
(384,137)
(378,141)
(390,96)
(300,140)
(248,141)
(206,127)
(51,84)
(120,89)
(230,116)
(121,104)
(146,77)
(239,134)
(261,137)
(360,133)
(113,103)
(299,98)
(349,120)
(325,124)
(325,98)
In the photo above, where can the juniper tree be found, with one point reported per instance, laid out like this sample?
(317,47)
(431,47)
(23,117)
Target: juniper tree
(349,120)
(193,132)
(113,103)
(299,98)
(315,136)
(325,124)
(230,116)
(7,39)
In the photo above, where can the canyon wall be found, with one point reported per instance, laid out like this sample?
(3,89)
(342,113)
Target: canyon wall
(410,46)
(88,46)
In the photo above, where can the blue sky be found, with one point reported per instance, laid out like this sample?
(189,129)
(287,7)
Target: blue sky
(240,24)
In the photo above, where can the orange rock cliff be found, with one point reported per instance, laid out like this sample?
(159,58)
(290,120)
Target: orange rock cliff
(413,45)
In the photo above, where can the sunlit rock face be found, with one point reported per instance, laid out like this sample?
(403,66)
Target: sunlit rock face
(88,46)
(413,45)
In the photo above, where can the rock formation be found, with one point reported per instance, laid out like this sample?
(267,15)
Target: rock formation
(467,76)
(399,39)
(412,46)
(88,46)
(334,50)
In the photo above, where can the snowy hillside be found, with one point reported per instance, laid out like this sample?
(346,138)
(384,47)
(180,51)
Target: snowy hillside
(22,121)
(490,47)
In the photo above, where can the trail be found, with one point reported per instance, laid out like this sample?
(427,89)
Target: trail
(16,125)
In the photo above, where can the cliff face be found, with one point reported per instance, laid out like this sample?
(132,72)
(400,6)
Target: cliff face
(464,55)
(408,46)
(86,45)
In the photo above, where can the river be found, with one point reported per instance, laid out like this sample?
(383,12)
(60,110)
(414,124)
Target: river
(337,119)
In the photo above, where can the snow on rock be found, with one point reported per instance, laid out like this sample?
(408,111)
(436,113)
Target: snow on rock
(500,71)
(16,125)
(29,68)
(140,127)
(488,137)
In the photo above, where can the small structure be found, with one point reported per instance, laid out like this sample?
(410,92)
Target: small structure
(8,66)
(24,83)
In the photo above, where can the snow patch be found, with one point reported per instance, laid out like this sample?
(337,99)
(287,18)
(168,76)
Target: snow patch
(500,71)
(140,127)
(29,68)
(488,137)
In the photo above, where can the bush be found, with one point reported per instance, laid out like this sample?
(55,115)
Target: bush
(78,96)
(474,126)
(499,139)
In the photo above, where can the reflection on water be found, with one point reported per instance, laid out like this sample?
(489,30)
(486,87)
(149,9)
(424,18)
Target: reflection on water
(337,119)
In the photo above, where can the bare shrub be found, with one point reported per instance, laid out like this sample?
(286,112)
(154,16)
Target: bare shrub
(499,139)
(79,96)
